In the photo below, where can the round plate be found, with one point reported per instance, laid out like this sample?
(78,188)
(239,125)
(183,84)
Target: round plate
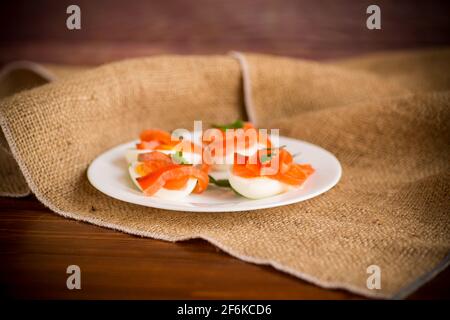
(109,174)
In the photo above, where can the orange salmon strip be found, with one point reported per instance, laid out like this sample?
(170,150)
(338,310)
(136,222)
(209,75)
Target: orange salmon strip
(288,172)
(154,181)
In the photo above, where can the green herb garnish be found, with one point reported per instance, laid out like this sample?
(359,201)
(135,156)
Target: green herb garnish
(276,148)
(267,157)
(220,183)
(225,184)
(238,124)
(177,157)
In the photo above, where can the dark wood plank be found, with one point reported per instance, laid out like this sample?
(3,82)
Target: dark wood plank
(36,246)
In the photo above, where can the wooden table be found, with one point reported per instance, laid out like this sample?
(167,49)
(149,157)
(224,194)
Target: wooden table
(36,246)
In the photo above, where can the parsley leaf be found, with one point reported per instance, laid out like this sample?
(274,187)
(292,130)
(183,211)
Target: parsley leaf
(238,124)
(177,157)
(267,157)
(220,183)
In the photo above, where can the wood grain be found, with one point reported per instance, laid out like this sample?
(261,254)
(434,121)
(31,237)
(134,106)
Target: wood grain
(36,246)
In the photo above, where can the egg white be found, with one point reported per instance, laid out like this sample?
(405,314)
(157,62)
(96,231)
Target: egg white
(164,193)
(223,164)
(248,152)
(228,160)
(257,188)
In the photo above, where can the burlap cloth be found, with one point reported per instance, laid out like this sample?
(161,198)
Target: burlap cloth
(385,117)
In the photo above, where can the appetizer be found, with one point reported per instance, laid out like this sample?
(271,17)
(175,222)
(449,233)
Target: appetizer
(159,140)
(167,167)
(221,148)
(159,167)
(271,172)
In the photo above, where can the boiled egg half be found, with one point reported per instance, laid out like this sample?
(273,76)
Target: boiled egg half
(258,187)
(162,193)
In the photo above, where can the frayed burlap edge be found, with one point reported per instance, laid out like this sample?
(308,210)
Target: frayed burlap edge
(4,72)
(30,66)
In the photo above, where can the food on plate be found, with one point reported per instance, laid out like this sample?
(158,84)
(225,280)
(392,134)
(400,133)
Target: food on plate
(221,144)
(165,192)
(161,141)
(166,168)
(250,164)
(268,173)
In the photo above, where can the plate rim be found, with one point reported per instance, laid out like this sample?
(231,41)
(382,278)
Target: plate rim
(181,207)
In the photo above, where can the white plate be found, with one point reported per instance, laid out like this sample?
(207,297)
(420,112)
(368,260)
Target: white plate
(109,174)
